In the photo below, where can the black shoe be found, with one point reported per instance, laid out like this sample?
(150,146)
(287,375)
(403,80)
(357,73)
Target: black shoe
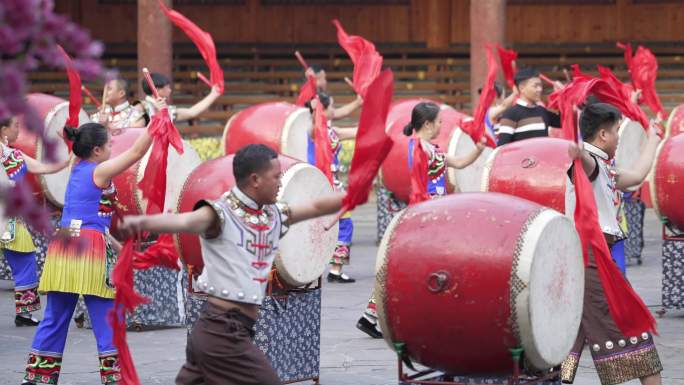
(25,382)
(368,327)
(25,321)
(341,278)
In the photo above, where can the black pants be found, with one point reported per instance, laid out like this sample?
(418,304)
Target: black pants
(220,351)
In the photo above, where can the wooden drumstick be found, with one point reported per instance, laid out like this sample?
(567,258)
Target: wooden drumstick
(567,75)
(90,95)
(335,219)
(203,78)
(351,84)
(301,60)
(104,93)
(546,79)
(150,83)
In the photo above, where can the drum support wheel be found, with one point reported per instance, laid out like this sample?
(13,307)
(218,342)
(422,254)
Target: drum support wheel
(435,377)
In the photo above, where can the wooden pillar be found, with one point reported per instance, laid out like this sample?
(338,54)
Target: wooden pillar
(487,25)
(154,40)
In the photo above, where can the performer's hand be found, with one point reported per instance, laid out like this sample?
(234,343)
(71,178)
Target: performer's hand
(558,85)
(635,96)
(160,104)
(103,116)
(309,72)
(359,99)
(655,131)
(482,143)
(130,226)
(574,151)
(215,90)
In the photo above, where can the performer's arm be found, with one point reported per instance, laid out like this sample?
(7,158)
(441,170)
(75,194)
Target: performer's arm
(496,111)
(348,108)
(346,133)
(588,162)
(138,123)
(200,107)
(201,221)
(39,168)
(629,178)
(112,167)
(463,162)
(507,127)
(322,206)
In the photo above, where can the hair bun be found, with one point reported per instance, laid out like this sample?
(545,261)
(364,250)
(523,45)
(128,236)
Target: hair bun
(71,133)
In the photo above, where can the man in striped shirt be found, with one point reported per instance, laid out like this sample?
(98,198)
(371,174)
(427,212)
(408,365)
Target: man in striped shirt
(527,119)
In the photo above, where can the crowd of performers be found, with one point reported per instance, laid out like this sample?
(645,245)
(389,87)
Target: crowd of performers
(82,253)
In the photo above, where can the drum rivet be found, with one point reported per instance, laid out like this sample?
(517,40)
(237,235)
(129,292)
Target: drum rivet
(211,290)
(224,293)
(633,340)
(596,347)
(644,336)
(241,295)
(205,285)
(609,345)
(622,343)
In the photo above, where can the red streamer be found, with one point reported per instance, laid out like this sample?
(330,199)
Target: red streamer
(644,73)
(307,92)
(163,133)
(419,173)
(74,93)
(507,58)
(372,143)
(628,54)
(626,308)
(367,61)
(203,41)
(90,95)
(476,127)
(321,138)
(126,299)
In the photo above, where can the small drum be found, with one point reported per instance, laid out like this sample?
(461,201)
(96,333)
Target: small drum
(55,112)
(667,181)
(305,249)
(463,279)
(675,123)
(179,166)
(281,126)
(395,171)
(534,169)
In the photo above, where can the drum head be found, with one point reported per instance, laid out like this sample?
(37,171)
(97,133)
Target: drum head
(675,123)
(632,140)
(306,248)
(549,302)
(294,137)
(54,185)
(468,179)
(178,168)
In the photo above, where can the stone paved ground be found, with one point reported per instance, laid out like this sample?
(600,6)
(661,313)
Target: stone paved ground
(347,356)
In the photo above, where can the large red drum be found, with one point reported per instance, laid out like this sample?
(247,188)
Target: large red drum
(179,166)
(463,279)
(675,123)
(54,111)
(534,169)
(667,181)
(395,170)
(281,126)
(305,249)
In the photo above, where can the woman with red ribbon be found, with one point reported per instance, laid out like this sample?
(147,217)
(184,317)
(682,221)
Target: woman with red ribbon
(618,358)
(16,243)
(79,261)
(427,165)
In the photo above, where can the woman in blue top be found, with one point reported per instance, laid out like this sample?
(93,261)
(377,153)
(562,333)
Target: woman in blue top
(79,261)
(16,243)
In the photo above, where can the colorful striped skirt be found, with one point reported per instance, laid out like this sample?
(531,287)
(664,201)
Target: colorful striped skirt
(22,241)
(77,265)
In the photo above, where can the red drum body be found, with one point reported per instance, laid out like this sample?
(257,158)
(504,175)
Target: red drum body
(464,278)
(534,169)
(675,123)
(281,126)
(54,111)
(179,166)
(305,249)
(395,169)
(667,181)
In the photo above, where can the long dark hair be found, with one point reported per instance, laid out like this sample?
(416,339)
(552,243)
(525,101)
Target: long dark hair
(86,138)
(422,112)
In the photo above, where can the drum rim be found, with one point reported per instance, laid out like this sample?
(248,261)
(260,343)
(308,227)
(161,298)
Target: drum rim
(292,116)
(226,131)
(278,261)
(652,177)
(487,170)
(380,272)
(670,119)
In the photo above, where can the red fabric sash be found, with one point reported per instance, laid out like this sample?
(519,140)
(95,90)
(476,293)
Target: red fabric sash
(507,58)
(419,173)
(74,93)
(321,139)
(476,127)
(367,61)
(307,92)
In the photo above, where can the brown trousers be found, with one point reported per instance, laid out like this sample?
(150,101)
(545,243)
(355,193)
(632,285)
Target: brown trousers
(617,358)
(220,351)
